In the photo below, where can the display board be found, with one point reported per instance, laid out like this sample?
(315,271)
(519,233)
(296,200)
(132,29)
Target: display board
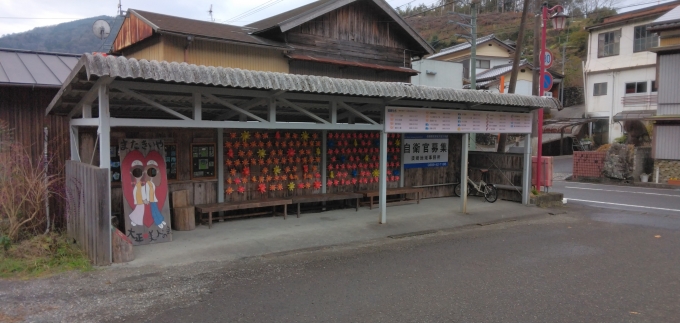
(171,160)
(426,150)
(203,161)
(145,190)
(421,120)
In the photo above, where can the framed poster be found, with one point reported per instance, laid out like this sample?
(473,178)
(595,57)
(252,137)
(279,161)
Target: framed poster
(425,150)
(171,160)
(203,161)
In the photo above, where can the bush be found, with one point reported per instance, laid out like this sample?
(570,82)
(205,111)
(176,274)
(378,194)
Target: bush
(40,255)
(24,187)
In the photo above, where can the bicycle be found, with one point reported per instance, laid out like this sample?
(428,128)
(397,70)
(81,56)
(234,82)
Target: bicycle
(488,190)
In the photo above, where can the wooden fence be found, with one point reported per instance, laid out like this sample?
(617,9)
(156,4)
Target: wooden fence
(504,169)
(88,218)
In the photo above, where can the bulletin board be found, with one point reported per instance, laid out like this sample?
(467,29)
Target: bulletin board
(203,161)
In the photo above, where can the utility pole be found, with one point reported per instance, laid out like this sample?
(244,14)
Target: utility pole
(473,62)
(503,138)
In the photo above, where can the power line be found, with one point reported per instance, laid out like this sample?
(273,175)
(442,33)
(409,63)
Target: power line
(254,10)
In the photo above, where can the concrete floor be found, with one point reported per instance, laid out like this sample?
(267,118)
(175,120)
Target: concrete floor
(250,237)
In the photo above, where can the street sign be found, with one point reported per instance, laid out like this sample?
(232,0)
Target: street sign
(548,59)
(547,82)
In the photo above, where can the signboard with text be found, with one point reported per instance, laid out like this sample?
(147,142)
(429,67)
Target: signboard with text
(425,150)
(420,120)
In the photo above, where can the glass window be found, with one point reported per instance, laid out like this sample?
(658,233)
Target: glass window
(643,39)
(653,86)
(608,43)
(636,87)
(600,89)
(483,63)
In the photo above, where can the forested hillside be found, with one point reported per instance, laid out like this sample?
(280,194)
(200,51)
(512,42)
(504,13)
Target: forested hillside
(70,37)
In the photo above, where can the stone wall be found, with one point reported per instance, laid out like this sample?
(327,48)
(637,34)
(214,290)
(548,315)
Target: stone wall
(667,169)
(573,96)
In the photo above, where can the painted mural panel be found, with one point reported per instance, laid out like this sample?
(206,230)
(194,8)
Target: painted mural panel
(145,191)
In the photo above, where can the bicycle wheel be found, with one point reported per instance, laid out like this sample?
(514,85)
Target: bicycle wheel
(456,190)
(490,193)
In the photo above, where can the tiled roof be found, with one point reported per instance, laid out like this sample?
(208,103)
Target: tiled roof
(29,68)
(668,20)
(466,45)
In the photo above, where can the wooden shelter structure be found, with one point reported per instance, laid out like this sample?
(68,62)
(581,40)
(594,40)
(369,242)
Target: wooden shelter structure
(107,92)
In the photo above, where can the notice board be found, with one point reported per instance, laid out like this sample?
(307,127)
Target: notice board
(203,161)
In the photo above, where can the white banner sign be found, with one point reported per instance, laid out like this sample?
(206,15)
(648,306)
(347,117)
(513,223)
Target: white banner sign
(425,150)
(421,120)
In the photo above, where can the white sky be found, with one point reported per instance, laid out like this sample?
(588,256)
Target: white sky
(19,15)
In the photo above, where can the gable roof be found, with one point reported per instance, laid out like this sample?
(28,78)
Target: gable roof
(627,17)
(290,19)
(467,45)
(29,68)
(161,23)
(670,19)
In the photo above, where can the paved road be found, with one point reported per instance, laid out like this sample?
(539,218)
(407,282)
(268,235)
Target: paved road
(660,201)
(586,265)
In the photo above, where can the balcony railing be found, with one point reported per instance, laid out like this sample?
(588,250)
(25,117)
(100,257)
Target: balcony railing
(639,99)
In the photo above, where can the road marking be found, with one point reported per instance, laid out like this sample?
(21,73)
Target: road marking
(601,189)
(619,204)
(635,187)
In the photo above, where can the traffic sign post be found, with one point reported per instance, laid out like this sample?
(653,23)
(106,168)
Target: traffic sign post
(548,58)
(547,82)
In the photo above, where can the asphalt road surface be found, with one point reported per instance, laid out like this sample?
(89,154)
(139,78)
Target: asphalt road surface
(580,264)
(660,201)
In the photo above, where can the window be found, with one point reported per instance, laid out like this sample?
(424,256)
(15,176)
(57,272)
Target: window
(636,87)
(608,43)
(483,63)
(653,86)
(643,39)
(600,89)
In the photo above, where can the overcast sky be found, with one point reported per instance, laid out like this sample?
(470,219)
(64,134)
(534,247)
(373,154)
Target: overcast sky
(22,15)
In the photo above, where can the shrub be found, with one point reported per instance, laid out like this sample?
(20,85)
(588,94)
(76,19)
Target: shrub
(24,186)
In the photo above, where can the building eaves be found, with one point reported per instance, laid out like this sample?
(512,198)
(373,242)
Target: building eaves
(121,68)
(669,20)
(635,15)
(203,29)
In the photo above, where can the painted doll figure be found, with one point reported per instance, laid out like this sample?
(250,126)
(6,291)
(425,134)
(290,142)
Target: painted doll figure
(150,192)
(138,193)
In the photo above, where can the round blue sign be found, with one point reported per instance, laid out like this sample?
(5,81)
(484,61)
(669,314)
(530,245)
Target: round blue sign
(547,81)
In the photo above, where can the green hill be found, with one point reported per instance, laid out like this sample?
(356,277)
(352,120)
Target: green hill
(70,37)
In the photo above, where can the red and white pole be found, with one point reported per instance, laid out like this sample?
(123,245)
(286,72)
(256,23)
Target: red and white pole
(541,90)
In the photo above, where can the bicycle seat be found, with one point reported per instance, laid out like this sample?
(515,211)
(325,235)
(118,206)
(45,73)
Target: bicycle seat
(483,170)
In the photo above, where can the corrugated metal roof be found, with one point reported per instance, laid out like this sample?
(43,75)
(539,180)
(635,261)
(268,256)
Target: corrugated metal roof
(634,115)
(30,68)
(165,23)
(627,17)
(182,73)
(466,45)
(669,19)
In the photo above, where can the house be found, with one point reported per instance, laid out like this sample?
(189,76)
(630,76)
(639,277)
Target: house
(438,73)
(491,52)
(28,82)
(493,65)
(620,71)
(360,39)
(665,144)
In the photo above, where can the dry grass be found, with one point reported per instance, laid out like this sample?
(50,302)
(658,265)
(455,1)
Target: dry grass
(42,255)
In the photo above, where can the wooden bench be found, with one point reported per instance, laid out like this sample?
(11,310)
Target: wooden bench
(242,205)
(395,191)
(324,197)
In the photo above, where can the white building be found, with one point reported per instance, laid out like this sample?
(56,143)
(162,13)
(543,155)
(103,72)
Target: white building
(438,74)
(620,71)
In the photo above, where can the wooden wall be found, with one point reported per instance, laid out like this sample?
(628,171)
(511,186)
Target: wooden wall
(88,213)
(132,31)
(23,108)
(150,49)
(438,175)
(208,53)
(504,169)
(355,73)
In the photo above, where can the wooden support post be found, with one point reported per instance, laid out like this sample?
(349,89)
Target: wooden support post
(272,110)
(105,150)
(334,112)
(464,173)
(220,165)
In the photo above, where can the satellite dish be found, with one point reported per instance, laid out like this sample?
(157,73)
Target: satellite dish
(101,29)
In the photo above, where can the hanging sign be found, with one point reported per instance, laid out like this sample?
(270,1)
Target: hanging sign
(547,81)
(426,150)
(548,59)
(420,120)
